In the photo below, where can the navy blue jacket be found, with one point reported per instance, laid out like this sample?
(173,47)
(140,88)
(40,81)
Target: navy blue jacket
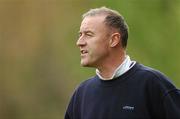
(140,93)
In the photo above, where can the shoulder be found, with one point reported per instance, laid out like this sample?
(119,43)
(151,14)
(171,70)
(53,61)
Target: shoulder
(155,80)
(86,84)
(153,74)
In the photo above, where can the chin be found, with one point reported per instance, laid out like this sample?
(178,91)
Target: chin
(85,64)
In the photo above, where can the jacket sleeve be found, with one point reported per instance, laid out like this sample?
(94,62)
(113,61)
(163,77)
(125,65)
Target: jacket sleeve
(164,97)
(69,110)
(72,111)
(67,116)
(172,104)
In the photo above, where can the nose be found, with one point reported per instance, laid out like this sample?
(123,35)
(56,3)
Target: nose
(80,41)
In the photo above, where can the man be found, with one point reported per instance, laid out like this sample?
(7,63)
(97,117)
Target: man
(122,89)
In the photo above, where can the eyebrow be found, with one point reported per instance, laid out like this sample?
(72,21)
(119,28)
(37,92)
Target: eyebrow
(88,31)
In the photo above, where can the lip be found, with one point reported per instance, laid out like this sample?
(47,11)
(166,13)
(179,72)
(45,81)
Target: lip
(83,52)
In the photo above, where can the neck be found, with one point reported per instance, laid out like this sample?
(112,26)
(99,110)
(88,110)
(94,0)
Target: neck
(108,69)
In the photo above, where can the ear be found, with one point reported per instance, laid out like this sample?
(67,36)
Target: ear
(115,39)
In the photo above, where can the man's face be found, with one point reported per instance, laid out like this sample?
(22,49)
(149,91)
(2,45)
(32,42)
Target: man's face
(93,41)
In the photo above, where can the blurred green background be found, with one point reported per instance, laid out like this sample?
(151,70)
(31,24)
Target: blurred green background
(40,63)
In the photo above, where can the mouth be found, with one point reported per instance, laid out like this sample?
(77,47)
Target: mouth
(83,52)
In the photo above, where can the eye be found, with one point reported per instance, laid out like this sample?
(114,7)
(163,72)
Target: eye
(80,34)
(89,34)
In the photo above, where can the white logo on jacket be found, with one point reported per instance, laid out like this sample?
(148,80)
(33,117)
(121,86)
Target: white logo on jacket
(128,107)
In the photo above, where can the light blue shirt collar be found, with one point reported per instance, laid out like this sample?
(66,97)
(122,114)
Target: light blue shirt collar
(122,68)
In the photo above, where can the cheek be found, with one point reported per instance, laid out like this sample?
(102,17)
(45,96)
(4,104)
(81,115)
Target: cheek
(98,46)
(98,50)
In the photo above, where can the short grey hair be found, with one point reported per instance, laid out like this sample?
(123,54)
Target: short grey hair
(113,19)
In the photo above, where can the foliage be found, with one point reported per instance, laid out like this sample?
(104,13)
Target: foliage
(40,61)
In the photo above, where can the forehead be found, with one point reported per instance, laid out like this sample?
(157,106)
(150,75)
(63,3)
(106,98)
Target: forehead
(92,22)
